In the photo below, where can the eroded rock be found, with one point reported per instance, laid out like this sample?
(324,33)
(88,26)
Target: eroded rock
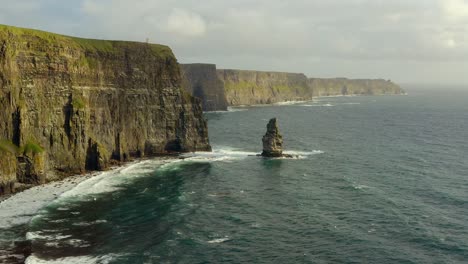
(272,140)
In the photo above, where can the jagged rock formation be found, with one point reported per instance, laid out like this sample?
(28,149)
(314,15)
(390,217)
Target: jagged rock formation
(272,140)
(201,81)
(69,105)
(343,86)
(255,87)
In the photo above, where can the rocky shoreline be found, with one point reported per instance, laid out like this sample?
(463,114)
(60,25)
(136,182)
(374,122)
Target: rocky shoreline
(218,88)
(72,105)
(19,208)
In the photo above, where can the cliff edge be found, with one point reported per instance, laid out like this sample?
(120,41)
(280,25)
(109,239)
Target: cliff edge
(201,81)
(344,86)
(255,87)
(70,105)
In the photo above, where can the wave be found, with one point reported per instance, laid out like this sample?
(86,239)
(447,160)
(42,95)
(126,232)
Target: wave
(112,181)
(77,259)
(97,222)
(290,102)
(313,105)
(219,154)
(230,109)
(41,236)
(21,207)
(219,240)
(360,186)
(228,154)
(303,153)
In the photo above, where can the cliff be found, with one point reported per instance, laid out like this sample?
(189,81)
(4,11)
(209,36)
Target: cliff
(256,87)
(69,105)
(201,81)
(343,86)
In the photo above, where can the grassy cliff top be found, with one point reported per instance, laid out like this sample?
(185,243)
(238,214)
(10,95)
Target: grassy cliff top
(258,72)
(89,45)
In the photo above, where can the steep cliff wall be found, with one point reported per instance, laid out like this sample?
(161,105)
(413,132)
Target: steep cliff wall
(69,105)
(343,86)
(255,87)
(201,81)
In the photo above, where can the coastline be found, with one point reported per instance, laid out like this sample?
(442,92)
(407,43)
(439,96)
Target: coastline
(283,103)
(18,209)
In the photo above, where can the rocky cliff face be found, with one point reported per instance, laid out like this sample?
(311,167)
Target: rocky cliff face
(201,81)
(69,105)
(255,87)
(272,140)
(343,86)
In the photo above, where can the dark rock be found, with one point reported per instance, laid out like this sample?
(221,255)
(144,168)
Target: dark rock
(272,140)
(85,104)
(201,81)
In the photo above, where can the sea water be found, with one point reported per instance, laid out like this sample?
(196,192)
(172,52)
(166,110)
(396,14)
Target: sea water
(377,179)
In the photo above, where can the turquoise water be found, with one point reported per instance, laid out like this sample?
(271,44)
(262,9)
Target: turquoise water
(379,180)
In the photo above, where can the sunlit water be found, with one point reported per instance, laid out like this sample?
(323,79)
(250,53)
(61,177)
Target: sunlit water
(378,180)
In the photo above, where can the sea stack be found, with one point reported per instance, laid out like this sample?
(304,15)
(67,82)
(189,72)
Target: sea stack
(272,141)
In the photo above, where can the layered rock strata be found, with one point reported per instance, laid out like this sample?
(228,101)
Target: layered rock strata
(256,87)
(343,86)
(70,105)
(244,87)
(201,80)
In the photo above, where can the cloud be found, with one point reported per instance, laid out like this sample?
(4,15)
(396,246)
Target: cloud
(311,36)
(455,9)
(185,23)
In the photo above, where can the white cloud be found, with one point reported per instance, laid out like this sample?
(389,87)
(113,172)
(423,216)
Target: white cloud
(455,9)
(451,43)
(185,23)
(91,7)
(312,36)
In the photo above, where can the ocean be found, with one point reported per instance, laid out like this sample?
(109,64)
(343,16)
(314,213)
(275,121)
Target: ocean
(377,179)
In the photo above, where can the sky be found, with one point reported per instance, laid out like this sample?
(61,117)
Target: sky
(407,41)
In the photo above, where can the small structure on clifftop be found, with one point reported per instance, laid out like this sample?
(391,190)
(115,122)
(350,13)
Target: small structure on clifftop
(272,140)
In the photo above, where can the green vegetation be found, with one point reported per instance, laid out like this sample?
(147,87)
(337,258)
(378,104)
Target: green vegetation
(78,103)
(88,45)
(186,96)
(103,151)
(241,85)
(31,148)
(8,146)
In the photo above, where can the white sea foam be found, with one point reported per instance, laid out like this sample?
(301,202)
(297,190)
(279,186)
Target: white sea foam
(219,240)
(58,221)
(41,236)
(75,260)
(321,105)
(360,186)
(219,154)
(111,181)
(236,109)
(90,223)
(21,207)
(290,102)
(303,153)
(228,154)
(230,110)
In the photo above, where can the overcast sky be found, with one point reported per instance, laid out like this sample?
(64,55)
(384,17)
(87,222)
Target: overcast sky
(408,41)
